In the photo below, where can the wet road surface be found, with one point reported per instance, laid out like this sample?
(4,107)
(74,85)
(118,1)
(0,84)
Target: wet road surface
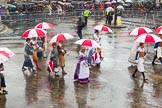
(110,86)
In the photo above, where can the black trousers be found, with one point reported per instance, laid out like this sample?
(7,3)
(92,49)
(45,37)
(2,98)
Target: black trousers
(3,84)
(86,20)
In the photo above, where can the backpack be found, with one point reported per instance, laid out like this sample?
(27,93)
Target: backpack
(83,24)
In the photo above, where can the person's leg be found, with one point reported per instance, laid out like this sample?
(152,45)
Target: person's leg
(85,20)
(134,73)
(3,85)
(160,60)
(79,34)
(143,74)
(153,62)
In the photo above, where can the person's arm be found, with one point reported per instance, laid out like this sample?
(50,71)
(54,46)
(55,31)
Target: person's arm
(137,55)
(2,67)
(156,46)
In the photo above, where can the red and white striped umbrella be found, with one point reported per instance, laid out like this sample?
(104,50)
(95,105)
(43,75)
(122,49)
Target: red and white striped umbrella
(159,30)
(140,30)
(88,43)
(61,37)
(147,38)
(36,32)
(5,54)
(102,28)
(45,25)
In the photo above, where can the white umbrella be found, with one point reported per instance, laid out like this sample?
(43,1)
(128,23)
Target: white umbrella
(120,7)
(128,1)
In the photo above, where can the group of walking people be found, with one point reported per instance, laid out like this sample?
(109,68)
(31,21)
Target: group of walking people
(33,50)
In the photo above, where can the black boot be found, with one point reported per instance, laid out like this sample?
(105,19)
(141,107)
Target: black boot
(134,73)
(153,62)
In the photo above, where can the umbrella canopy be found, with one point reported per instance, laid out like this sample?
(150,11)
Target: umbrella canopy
(109,3)
(159,30)
(45,25)
(88,43)
(61,37)
(11,6)
(147,38)
(102,28)
(140,30)
(110,8)
(5,54)
(34,33)
(120,7)
(128,1)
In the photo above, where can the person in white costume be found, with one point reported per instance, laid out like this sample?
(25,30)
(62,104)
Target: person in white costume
(140,60)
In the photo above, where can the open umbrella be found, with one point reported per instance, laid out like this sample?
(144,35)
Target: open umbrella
(11,6)
(88,43)
(147,38)
(110,8)
(45,25)
(120,7)
(109,3)
(36,32)
(128,1)
(159,30)
(61,37)
(140,30)
(5,54)
(102,28)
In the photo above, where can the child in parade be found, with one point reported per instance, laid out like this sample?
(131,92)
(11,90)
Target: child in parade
(158,51)
(82,72)
(2,80)
(61,56)
(28,55)
(140,58)
(97,38)
(35,53)
(54,55)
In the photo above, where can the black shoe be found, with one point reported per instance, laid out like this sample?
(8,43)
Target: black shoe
(39,69)
(64,73)
(24,69)
(5,92)
(153,63)
(134,76)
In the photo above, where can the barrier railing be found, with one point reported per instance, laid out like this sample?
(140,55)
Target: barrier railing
(95,14)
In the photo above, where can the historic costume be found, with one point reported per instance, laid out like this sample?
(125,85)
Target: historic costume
(28,53)
(97,38)
(82,69)
(140,58)
(61,56)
